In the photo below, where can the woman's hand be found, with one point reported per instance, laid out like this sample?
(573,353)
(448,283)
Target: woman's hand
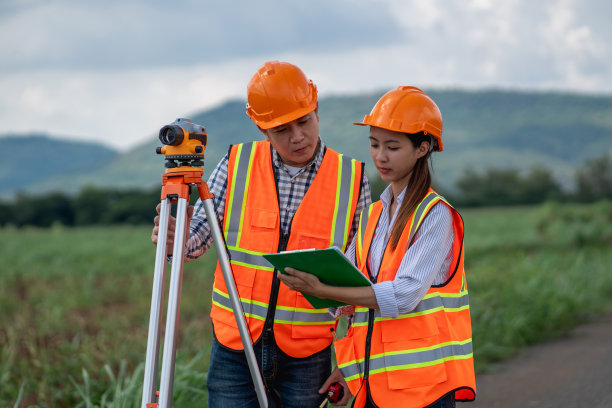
(308,283)
(301,281)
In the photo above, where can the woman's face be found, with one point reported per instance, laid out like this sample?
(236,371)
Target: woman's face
(394,156)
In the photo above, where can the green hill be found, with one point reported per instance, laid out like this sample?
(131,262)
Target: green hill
(482,129)
(25,161)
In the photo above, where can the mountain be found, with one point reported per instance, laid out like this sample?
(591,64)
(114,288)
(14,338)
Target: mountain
(27,160)
(482,129)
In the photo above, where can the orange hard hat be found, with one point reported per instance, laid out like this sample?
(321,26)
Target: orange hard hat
(278,93)
(407,109)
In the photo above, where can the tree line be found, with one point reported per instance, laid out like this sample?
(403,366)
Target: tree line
(493,187)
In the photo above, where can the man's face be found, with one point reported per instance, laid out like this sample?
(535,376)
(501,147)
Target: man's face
(296,142)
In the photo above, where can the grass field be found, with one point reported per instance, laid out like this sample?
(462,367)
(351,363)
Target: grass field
(75,302)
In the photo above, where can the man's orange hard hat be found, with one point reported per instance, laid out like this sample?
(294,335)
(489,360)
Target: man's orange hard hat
(407,109)
(278,93)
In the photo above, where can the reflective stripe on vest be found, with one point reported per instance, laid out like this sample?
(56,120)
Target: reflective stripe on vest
(252,202)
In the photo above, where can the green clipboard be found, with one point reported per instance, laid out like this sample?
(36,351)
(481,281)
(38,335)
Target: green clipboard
(329,265)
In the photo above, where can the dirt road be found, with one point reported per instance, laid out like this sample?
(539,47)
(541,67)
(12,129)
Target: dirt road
(572,372)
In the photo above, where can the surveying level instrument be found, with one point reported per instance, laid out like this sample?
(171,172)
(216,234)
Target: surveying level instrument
(183,146)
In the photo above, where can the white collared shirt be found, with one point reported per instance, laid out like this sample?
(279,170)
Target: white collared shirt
(425,263)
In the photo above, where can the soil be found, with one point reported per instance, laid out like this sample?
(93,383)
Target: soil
(572,372)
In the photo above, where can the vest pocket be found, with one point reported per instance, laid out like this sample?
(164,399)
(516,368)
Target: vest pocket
(400,329)
(346,356)
(244,279)
(414,363)
(308,241)
(261,232)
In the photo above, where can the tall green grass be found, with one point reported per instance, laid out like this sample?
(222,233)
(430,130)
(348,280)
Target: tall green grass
(74,303)
(535,273)
(77,301)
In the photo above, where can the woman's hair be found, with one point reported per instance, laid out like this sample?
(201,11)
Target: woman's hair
(418,186)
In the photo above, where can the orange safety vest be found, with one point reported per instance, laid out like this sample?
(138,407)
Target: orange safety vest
(252,228)
(415,359)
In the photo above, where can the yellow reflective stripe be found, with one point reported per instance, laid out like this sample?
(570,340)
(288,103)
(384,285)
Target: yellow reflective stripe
(338,182)
(351,362)
(302,309)
(422,349)
(242,301)
(246,264)
(232,183)
(421,365)
(229,309)
(297,323)
(246,189)
(348,222)
(359,247)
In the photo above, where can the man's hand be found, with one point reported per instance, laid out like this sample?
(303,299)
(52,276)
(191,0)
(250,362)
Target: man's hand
(171,228)
(336,376)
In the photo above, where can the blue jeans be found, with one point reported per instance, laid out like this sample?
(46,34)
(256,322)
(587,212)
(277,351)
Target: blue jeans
(290,382)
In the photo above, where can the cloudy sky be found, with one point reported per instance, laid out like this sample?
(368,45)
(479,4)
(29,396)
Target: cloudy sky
(115,71)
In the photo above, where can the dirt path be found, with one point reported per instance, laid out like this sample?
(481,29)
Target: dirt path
(572,372)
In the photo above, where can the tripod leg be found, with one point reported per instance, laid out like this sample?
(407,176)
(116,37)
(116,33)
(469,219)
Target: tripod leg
(236,306)
(151,364)
(174,294)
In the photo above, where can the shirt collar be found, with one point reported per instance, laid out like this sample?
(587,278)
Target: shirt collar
(315,162)
(387,196)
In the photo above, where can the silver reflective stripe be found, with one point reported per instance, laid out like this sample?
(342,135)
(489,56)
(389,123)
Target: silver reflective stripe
(363,223)
(418,214)
(238,194)
(344,203)
(407,359)
(289,315)
(430,303)
(354,370)
(248,258)
(423,357)
(250,308)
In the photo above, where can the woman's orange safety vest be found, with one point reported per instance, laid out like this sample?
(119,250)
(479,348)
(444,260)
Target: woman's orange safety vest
(415,359)
(252,228)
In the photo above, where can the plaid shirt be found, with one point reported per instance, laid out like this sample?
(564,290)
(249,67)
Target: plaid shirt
(291,190)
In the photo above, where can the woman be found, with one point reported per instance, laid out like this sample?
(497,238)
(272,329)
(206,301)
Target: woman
(410,341)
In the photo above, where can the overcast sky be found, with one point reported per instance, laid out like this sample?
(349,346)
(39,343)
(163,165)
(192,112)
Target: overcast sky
(115,71)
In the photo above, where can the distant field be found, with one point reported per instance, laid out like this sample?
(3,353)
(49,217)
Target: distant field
(75,302)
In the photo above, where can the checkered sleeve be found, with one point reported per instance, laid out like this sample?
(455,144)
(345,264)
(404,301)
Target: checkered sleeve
(200,238)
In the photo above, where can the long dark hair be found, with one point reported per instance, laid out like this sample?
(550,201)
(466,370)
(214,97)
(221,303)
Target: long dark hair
(418,185)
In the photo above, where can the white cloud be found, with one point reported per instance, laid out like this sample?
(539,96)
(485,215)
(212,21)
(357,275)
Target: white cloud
(114,71)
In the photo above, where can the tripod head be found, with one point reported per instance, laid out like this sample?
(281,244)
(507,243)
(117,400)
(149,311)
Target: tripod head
(184,143)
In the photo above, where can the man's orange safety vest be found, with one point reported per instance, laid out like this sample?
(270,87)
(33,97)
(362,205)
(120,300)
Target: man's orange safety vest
(418,357)
(252,228)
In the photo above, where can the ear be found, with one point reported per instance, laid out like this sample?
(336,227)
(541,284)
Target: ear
(423,149)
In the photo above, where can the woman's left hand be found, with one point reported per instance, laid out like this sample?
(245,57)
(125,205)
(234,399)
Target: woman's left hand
(301,281)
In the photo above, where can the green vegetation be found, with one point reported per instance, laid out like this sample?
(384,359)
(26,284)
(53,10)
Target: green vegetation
(495,187)
(482,129)
(75,301)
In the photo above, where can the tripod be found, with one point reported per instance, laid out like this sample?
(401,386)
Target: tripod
(176,186)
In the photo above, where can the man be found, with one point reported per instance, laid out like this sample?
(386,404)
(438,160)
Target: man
(287,192)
